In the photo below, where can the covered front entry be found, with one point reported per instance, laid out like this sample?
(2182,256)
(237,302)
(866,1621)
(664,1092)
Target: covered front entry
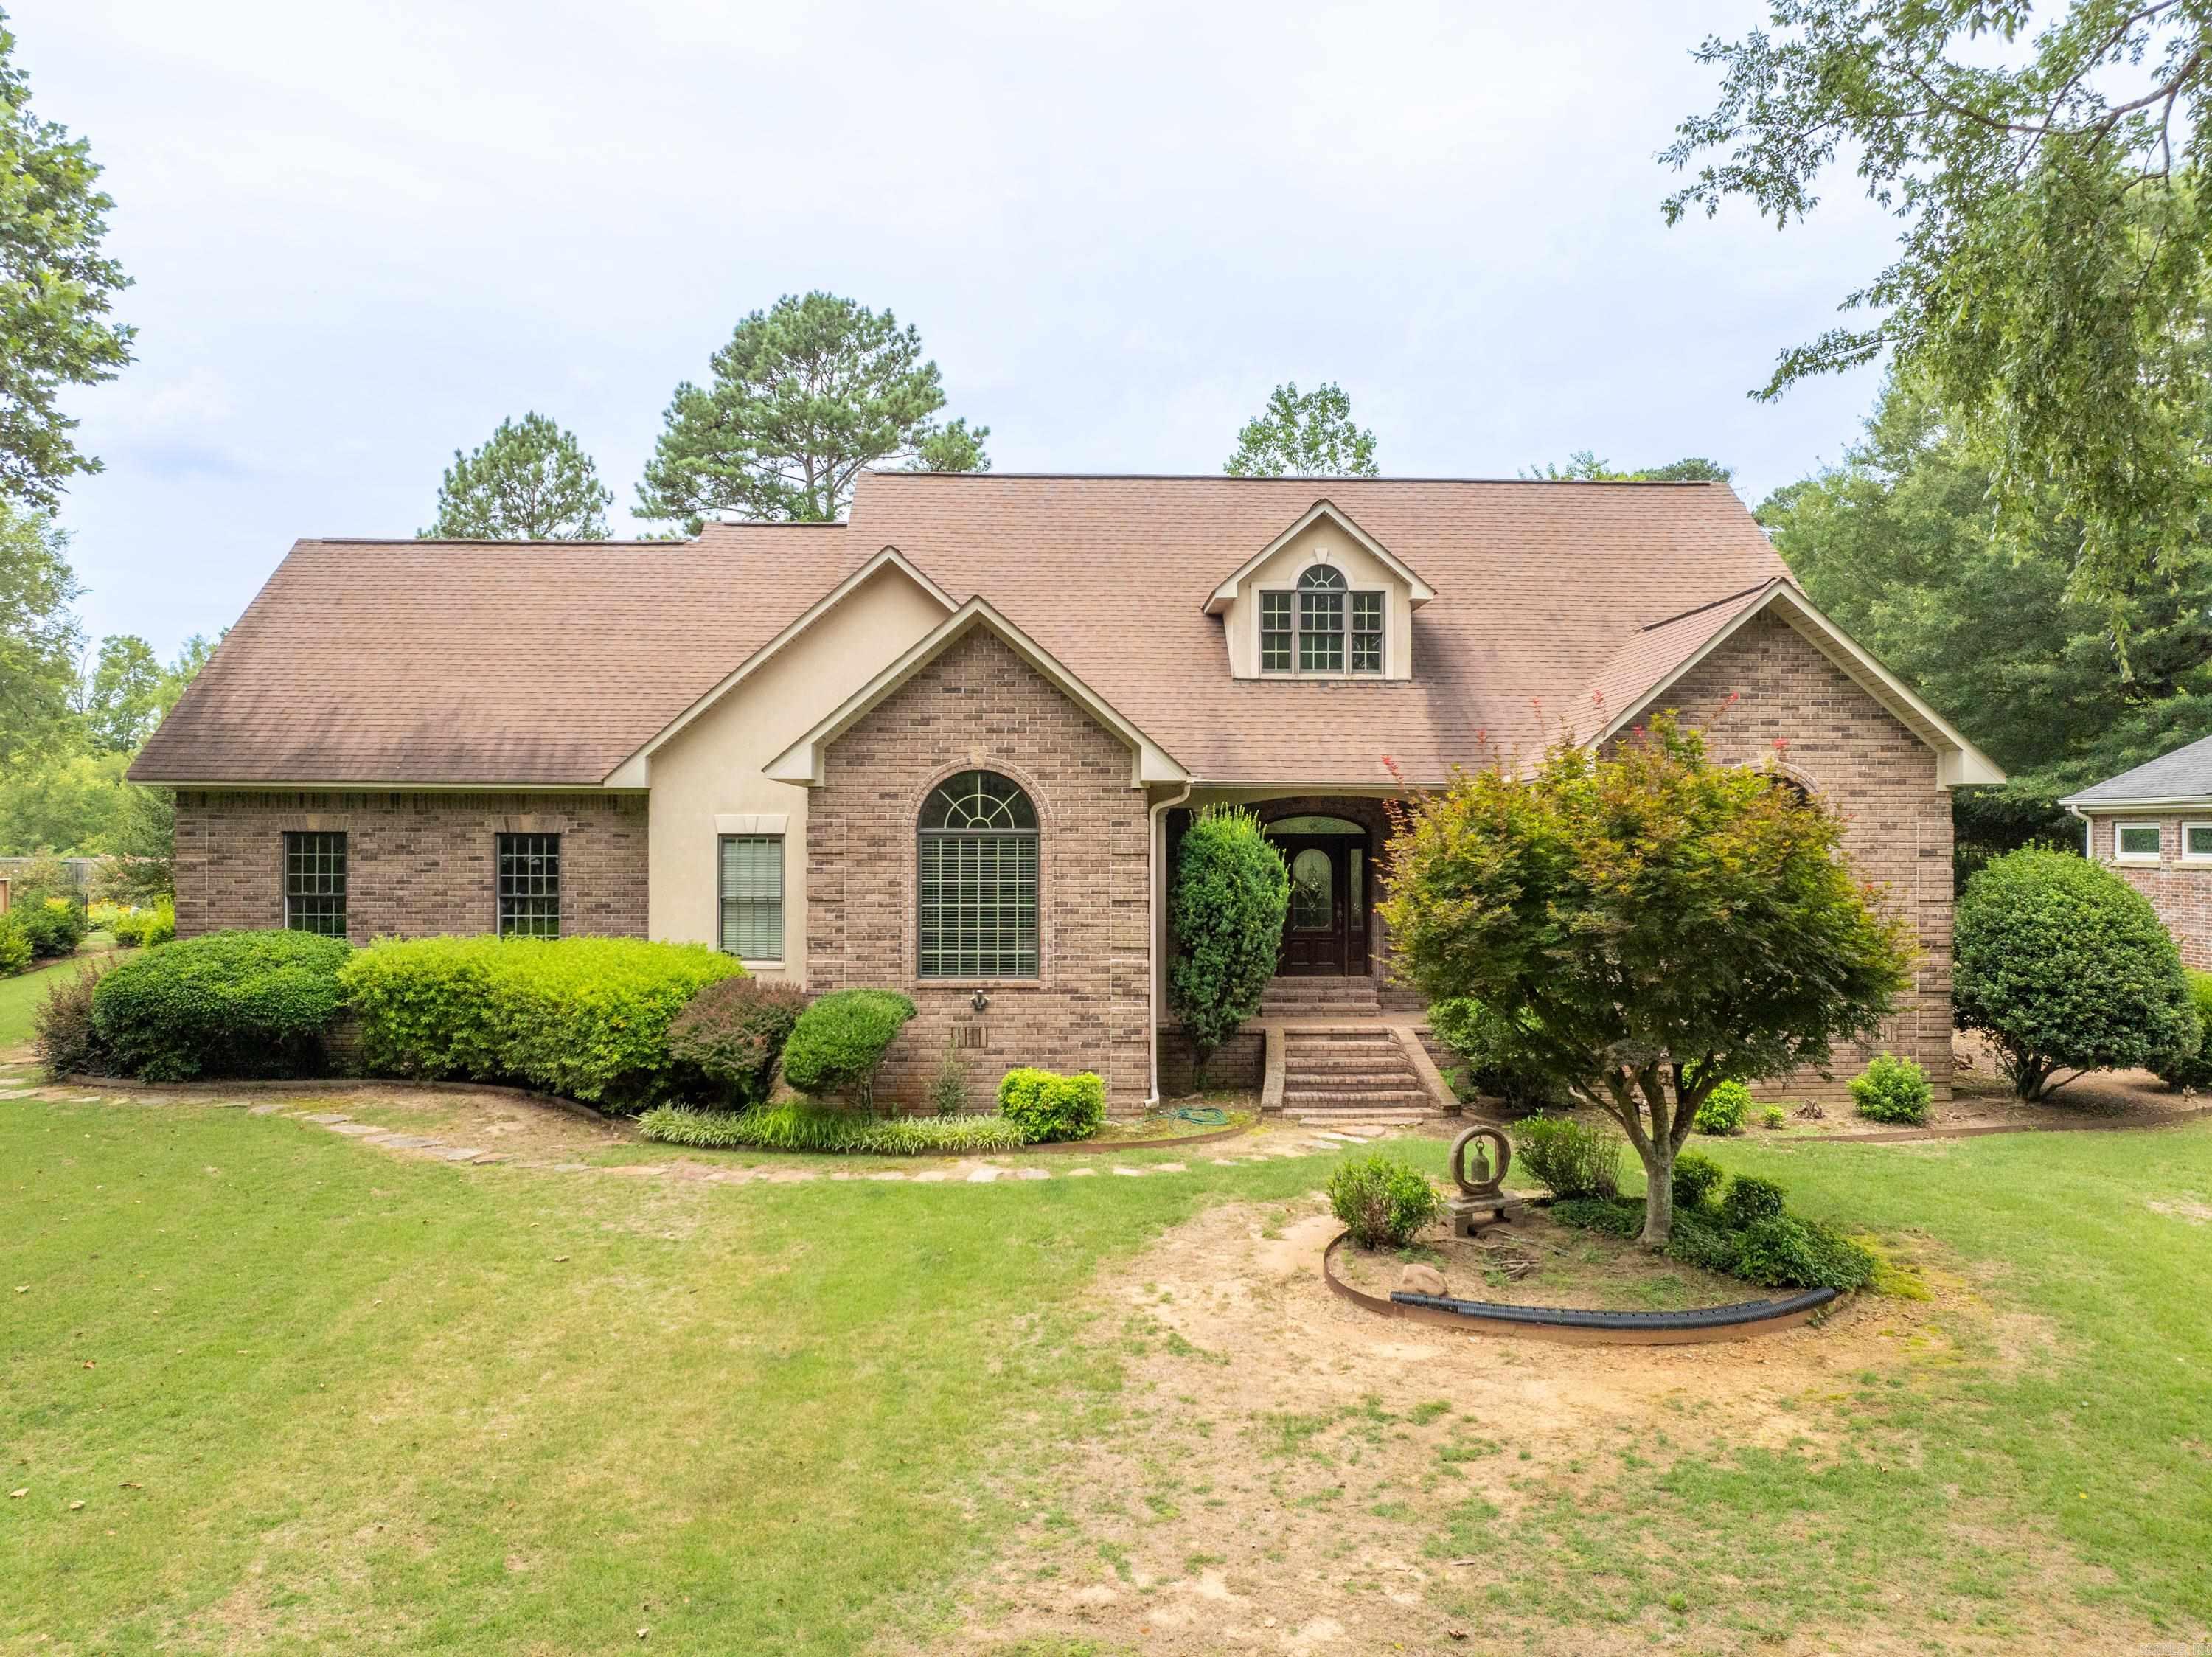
(1325,931)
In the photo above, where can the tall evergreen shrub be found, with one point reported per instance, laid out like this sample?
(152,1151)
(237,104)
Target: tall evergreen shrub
(1232,891)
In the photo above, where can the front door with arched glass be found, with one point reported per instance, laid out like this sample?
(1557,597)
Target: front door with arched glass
(1325,929)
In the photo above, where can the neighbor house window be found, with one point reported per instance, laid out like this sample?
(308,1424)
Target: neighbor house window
(1322,628)
(2136,843)
(2196,843)
(529,886)
(752,896)
(978,880)
(315,883)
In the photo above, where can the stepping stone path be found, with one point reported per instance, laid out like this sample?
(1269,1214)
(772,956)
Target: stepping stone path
(1268,1142)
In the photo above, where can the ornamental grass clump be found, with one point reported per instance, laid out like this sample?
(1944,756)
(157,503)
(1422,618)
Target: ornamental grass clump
(2067,967)
(1381,1201)
(225,1004)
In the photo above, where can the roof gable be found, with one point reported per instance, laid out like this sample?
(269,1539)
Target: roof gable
(1322,510)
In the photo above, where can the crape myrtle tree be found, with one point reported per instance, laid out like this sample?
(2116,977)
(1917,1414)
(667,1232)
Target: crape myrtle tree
(1660,922)
(1232,891)
(806,396)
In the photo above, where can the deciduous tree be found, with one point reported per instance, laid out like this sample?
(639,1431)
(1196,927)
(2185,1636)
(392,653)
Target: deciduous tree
(531,482)
(39,637)
(1657,924)
(806,396)
(1308,435)
(2051,279)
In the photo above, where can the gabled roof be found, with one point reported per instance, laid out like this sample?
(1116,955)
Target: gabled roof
(802,761)
(2182,777)
(1224,594)
(1664,651)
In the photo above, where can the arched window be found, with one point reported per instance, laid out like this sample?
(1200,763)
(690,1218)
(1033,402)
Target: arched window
(1329,617)
(978,880)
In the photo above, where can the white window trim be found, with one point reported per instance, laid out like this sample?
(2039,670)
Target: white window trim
(1261,670)
(741,827)
(2119,855)
(2187,856)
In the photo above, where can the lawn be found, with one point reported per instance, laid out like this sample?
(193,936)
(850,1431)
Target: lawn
(313,1396)
(20,996)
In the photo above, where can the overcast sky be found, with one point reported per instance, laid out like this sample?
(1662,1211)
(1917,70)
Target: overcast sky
(363,234)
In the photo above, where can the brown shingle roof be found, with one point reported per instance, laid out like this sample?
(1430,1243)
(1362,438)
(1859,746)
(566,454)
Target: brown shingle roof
(551,663)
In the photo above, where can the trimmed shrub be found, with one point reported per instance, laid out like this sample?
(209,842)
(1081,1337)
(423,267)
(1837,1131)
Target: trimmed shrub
(1773,1116)
(584,1018)
(2067,967)
(1481,1037)
(1784,1251)
(1046,1106)
(1725,1110)
(1382,1201)
(733,1033)
(1750,1199)
(15,946)
(1696,1178)
(229,1003)
(55,924)
(798,1126)
(1895,1089)
(2191,1066)
(1232,891)
(841,1039)
(68,1042)
(1568,1158)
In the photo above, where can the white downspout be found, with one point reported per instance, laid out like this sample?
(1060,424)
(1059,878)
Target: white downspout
(1156,850)
(2088,832)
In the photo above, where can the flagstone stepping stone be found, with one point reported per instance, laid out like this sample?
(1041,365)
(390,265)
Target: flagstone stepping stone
(932,1177)
(984,1175)
(328,1119)
(460,1153)
(1130,1173)
(403,1141)
(1082,1173)
(1029,1173)
(265,1109)
(1168,1167)
(887,1175)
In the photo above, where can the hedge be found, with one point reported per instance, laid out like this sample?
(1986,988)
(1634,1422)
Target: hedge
(229,1003)
(584,1018)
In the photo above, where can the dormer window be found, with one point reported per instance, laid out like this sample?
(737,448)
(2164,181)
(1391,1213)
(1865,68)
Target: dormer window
(1327,618)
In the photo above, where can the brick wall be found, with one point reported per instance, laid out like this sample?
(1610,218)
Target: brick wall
(2180,891)
(1768,685)
(980,706)
(417,863)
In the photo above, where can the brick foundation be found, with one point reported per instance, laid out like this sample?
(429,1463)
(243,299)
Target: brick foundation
(417,864)
(2180,891)
(978,705)
(1239,1062)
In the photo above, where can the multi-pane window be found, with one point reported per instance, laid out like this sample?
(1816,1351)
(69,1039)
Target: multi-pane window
(1366,632)
(1320,621)
(315,883)
(752,896)
(1333,627)
(1274,632)
(529,885)
(2196,843)
(978,864)
(2136,842)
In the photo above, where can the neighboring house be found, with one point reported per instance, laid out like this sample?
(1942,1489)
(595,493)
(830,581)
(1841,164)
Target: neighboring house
(950,747)
(2154,824)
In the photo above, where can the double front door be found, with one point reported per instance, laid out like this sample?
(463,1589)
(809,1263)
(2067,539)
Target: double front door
(1325,932)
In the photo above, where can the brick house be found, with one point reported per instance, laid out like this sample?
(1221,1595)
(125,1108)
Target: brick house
(950,745)
(2153,825)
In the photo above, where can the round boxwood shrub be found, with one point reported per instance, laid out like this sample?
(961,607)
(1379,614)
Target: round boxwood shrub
(229,1003)
(1750,1199)
(1893,1089)
(1725,1110)
(2067,968)
(2190,1065)
(1232,891)
(1046,1106)
(1381,1201)
(734,1032)
(841,1039)
(1568,1158)
(1696,1178)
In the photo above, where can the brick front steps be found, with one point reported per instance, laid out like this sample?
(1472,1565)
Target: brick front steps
(1311,998)
(1351,1073)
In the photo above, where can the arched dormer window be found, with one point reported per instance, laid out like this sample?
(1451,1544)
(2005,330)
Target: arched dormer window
(1335,630)
(978,880)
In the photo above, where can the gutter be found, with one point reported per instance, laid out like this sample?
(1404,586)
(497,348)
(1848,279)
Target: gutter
(1155,850)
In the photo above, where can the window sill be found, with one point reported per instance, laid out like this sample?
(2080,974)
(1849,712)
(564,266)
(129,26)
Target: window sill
(760,966)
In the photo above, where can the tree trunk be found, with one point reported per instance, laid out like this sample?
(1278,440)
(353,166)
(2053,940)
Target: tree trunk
(1658,1190)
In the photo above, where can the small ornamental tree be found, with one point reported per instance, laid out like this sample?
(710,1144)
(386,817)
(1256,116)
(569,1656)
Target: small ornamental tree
(1663,922)
(2068,968)
(1232,891)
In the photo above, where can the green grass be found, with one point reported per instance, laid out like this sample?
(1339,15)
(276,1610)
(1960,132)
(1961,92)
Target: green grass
(20,996)
(314,1397)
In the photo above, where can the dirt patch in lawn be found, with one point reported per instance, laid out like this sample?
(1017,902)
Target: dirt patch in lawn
(1296,1475)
